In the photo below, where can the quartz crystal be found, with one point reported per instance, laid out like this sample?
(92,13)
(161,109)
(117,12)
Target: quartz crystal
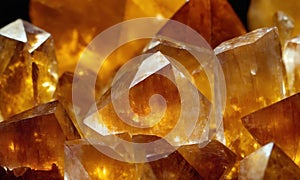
(214,20)
(254,78)
(153,97)
(73,28)
(35,138)
(291,59)
(279,123)
(285,25)
(268,162)
(83,161)
(261,13)
(211,161)
(28,69)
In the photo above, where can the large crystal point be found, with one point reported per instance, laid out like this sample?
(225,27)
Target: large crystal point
(73,28)
(278,123)
(211,161)
(261,13)
(254,76)
(214,20)
(28,68)
(268,162)
(35,138)
(153,96)
(291,59)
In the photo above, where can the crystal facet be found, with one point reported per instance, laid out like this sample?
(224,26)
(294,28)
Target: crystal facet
(73,28)
(285,26)
(268,162)
(35,138)
(176,109)
(28,69)
(291,59)
(279,123)
(261,13)
(214,20)
(254,76)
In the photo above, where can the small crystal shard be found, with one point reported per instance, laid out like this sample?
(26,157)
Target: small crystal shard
(261,13)
(291,59)
(28,69)
(153,97)
(72,38)
(285,26)
(279,123)
(268,162)
(254,76)
(35,138)
(214,20)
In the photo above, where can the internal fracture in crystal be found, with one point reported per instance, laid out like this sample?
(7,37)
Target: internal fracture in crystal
(28,69)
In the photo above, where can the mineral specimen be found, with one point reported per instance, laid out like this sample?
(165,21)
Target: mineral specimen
(214,20)
(73,28)
(268,162)
(278,123)
(28,69)
(254,75)
(152,96)
(35,138)
(291,59)
(261,13)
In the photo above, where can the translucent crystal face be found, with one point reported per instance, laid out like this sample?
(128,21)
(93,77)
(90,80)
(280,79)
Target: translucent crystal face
(28,69)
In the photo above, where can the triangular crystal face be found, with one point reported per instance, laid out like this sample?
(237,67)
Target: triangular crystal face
(15,30)
(28,69)
(25,32)
(268,162)
(152,96)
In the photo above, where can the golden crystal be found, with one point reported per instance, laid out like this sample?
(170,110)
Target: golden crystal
(254,75)
(261,13)
(28,68)
(291,59)
(285,25)
(157,117)
(278,123)
(35,138)
(268,162)
(73,28)
(214,20)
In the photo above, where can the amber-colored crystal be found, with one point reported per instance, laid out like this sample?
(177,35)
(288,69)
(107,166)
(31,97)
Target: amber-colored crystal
(268,162)
(211,161)
(154,75)
(27,173)
(285,25)
(254,79)
(35,138)
(261,13)
(214,20)
(291,59)
(28,69)
(73,28)
(84,161)
(278,123)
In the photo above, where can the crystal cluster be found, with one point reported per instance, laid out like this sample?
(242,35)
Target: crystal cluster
(153,99)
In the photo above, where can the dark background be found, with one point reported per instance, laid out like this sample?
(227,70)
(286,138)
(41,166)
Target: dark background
(11,10)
